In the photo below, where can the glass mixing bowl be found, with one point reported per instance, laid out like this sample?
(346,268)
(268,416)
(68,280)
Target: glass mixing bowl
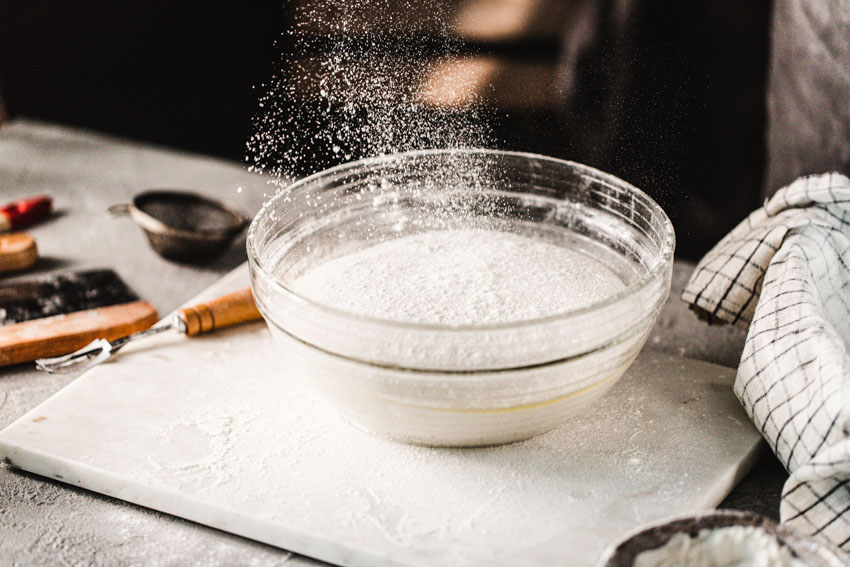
(465,385)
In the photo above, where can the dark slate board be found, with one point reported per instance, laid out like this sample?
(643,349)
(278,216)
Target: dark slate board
(61,293)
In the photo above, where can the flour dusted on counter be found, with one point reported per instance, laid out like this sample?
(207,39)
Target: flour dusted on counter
(737,546)
(460,277)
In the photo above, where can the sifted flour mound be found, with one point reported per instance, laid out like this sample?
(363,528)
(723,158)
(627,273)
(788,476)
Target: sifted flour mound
(460,277)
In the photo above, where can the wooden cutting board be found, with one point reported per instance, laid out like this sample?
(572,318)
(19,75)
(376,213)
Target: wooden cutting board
(216,429)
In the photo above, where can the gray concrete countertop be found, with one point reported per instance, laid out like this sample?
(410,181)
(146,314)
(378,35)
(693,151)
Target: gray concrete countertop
(43,522)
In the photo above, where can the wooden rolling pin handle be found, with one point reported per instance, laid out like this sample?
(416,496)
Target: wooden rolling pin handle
(237,307)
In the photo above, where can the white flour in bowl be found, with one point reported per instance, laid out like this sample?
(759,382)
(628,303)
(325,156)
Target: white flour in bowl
(460,277)
(736,546)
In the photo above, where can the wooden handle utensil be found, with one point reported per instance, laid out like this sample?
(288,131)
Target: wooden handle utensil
(227,310)
(17,252)
(50,336)
(230,309)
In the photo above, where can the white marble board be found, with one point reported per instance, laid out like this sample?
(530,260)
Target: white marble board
(214,429)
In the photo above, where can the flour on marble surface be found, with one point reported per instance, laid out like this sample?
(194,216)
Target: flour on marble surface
(287,461)
(460,277)
(202,446)
(290,465)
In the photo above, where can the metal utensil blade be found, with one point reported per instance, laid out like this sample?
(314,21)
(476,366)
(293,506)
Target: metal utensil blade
(99,350)
(94,353)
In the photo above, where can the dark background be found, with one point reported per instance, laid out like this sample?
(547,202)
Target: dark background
(175,73)
(668,95)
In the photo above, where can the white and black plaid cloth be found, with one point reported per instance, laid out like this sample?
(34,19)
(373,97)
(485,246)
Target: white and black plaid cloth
(784,273)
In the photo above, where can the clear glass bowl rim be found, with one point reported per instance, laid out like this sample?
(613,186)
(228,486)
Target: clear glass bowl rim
(668,245)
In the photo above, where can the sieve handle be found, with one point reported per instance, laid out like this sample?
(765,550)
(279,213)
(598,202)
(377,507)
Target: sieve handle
(227,310)
(119,210)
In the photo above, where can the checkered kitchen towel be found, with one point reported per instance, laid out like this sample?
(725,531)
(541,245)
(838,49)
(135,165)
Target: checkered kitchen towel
(784,273)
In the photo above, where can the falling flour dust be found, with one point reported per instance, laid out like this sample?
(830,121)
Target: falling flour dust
(460,277)
(362,78)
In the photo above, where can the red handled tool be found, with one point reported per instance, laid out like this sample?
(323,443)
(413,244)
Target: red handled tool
(20,214)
